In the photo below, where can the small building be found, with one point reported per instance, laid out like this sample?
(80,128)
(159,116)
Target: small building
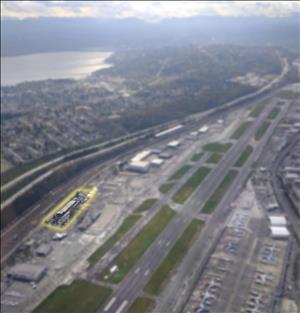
(141,156)
(203,129)
(43,250)
(156,151)
(157,162)
(59,236)
(27,272)
(193,134)
(139,166)
(277,220)
(279,232)
(165,155)
(173,144)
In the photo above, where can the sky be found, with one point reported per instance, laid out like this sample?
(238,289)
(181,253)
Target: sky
(147,10)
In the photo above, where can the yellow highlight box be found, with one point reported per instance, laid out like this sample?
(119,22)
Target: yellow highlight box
(91,194)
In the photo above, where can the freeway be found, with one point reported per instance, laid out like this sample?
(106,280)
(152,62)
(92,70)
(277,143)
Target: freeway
(125,293)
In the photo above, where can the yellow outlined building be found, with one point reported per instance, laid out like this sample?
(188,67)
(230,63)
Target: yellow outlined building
(91,194)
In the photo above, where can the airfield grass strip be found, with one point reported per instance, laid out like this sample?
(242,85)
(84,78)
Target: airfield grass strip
(181,172)
(258,109)
(166,187)
(146,205)
(261,130)
(244,156)
(124,228)
(80,296)
(240,130)
(173,258)
(217,147)
(189,187)
(141,305)
(214,158)
(138,246)
(197,157)
(273,114)
(217,196)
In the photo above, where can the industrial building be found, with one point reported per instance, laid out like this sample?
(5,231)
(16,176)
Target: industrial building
(139,166)
(27,272)
(156,162)
(279,232)
(173,144)
(277,220)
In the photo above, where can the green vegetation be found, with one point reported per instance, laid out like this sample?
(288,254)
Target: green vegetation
(80,296)
(188,188)
(215,158)
(196,157)
(287,94)
(5,164)
(217,196)
(146,205)
(240,130)
(244,156)
(261,130)
(217,147)
(166,187)
(141,305)
(138,246)
(273,114)
(126,225)
(181,172)
(173,258)
(258,109)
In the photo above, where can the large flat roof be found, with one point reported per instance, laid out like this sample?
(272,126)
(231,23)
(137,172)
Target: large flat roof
(277,220)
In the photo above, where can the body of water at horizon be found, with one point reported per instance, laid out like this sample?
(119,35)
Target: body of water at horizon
(54,65)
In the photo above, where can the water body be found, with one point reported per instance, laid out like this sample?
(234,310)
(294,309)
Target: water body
(54,65)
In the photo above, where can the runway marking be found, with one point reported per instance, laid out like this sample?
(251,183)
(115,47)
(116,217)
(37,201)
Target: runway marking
(122,306)
(147,273)
(110,303)
(137,270)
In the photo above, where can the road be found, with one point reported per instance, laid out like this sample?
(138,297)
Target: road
(125,293)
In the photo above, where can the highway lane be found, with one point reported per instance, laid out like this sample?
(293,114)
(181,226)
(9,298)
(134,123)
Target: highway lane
(208,186)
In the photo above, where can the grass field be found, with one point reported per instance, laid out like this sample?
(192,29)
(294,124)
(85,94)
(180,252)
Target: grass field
(244,156)
(146,205)
(173,258)
(166,187)
(189,187)
(214,158)
(240,130)
(5,164)
(138,246)
(181,172)
(217,196)
(217,147)
(261,130)
(80,296)
(197,157)
(124,228)
(258,109)
(273,114)
(141,305)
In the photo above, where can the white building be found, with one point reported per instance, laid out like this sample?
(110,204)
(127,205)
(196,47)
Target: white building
(173,144)
(277,220)
(157,162)
(139,166)
(203,129)
(279,232)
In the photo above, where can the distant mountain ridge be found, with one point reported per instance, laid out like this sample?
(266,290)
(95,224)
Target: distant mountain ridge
(68,34)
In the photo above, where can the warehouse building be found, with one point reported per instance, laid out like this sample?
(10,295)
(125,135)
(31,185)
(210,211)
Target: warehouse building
(27,272)
(173,144)
(277,220)
(43,250)
(139,166)
(279,232)
(157,162)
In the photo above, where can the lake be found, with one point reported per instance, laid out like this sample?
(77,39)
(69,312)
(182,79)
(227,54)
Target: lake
(54,65)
